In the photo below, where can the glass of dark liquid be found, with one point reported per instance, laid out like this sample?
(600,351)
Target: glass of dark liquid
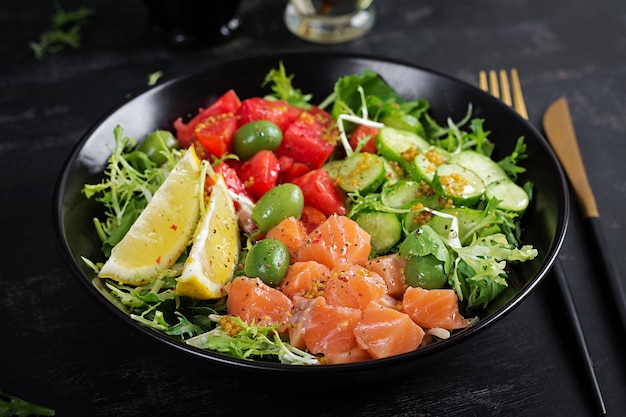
(194,23)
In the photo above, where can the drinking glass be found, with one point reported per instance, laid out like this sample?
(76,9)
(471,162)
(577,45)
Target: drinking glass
(329,21)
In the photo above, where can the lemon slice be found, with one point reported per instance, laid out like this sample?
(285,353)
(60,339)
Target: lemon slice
(163,229)
(215,251)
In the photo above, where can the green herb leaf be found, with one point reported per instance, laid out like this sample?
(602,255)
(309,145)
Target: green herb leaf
(510,164)
(284,90)
(65,31)
(250,341)
(14,406)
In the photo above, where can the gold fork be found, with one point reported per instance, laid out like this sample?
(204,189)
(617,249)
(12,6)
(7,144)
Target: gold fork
(511,96)
(497,83)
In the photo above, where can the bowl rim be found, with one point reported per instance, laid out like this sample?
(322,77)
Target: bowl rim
(269,367)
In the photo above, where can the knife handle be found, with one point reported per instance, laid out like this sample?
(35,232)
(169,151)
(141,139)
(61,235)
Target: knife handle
(615,284)
(570,308)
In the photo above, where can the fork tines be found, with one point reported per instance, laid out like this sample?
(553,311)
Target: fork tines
(511,94)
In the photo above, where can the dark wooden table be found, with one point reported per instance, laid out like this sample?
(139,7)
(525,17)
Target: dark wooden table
(60,349)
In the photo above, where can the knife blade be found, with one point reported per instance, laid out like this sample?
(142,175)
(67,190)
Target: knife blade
(559,129)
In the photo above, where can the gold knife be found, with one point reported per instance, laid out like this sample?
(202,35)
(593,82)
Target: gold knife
(559,129)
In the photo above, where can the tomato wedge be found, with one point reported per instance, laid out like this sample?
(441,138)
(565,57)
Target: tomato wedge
(232,180)
(363,132)
(321,192)
(260,173)
(289,169)
(279,112)
(310,139)
(229,102)
(215,134)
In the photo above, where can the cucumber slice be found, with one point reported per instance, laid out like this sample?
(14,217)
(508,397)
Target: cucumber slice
(393,172)
(459,184)
(363,172)
(400,146)
(486,168)
(384,228)
(406,193)
(425,163)
(512,197)
(333,168)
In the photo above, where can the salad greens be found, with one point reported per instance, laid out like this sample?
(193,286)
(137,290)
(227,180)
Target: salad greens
(13,406)
(131,178)
(472,246)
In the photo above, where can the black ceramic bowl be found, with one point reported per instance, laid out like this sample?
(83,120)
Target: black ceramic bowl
(544,223)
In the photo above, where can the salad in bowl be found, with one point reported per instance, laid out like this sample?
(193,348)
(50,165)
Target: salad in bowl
(270,228)
(353,218)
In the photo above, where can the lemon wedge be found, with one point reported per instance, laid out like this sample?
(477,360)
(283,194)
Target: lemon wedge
(163,229)
(215,251)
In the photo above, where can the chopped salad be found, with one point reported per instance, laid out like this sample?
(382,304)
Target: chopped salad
(365,229)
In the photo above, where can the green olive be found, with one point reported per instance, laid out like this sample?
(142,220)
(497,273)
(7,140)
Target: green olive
(155,142)
(280,202)
(268,260)
(255,136)
(425,271)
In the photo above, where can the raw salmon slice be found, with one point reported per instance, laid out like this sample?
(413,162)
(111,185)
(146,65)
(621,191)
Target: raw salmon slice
(391,268)
(305,279)
(335,241)
(433,308)
(326,329)
(356,354)
(353,286)
(291,232)
(385,332)
(254,301)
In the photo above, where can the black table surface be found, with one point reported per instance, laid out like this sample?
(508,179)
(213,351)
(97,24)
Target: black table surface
(62,350)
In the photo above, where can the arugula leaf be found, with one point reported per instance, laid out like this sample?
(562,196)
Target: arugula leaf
(14,406)
(65,31)
(348,98)
(283,89)
(510,163)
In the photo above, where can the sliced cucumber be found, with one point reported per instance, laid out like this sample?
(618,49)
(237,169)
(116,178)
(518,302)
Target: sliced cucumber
(406,193)
(425,163)
(363,172)
(384,228)
(399,145)
(511,196)
(393,172)
(486,168)
(333,168)
(459,184)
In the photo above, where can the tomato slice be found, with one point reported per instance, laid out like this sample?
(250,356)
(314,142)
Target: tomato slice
(260,173)
(289,169)
(215,134)
(229,102)
(279,112)
(321,192)
(310,139)
(232,180)
(361,133)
